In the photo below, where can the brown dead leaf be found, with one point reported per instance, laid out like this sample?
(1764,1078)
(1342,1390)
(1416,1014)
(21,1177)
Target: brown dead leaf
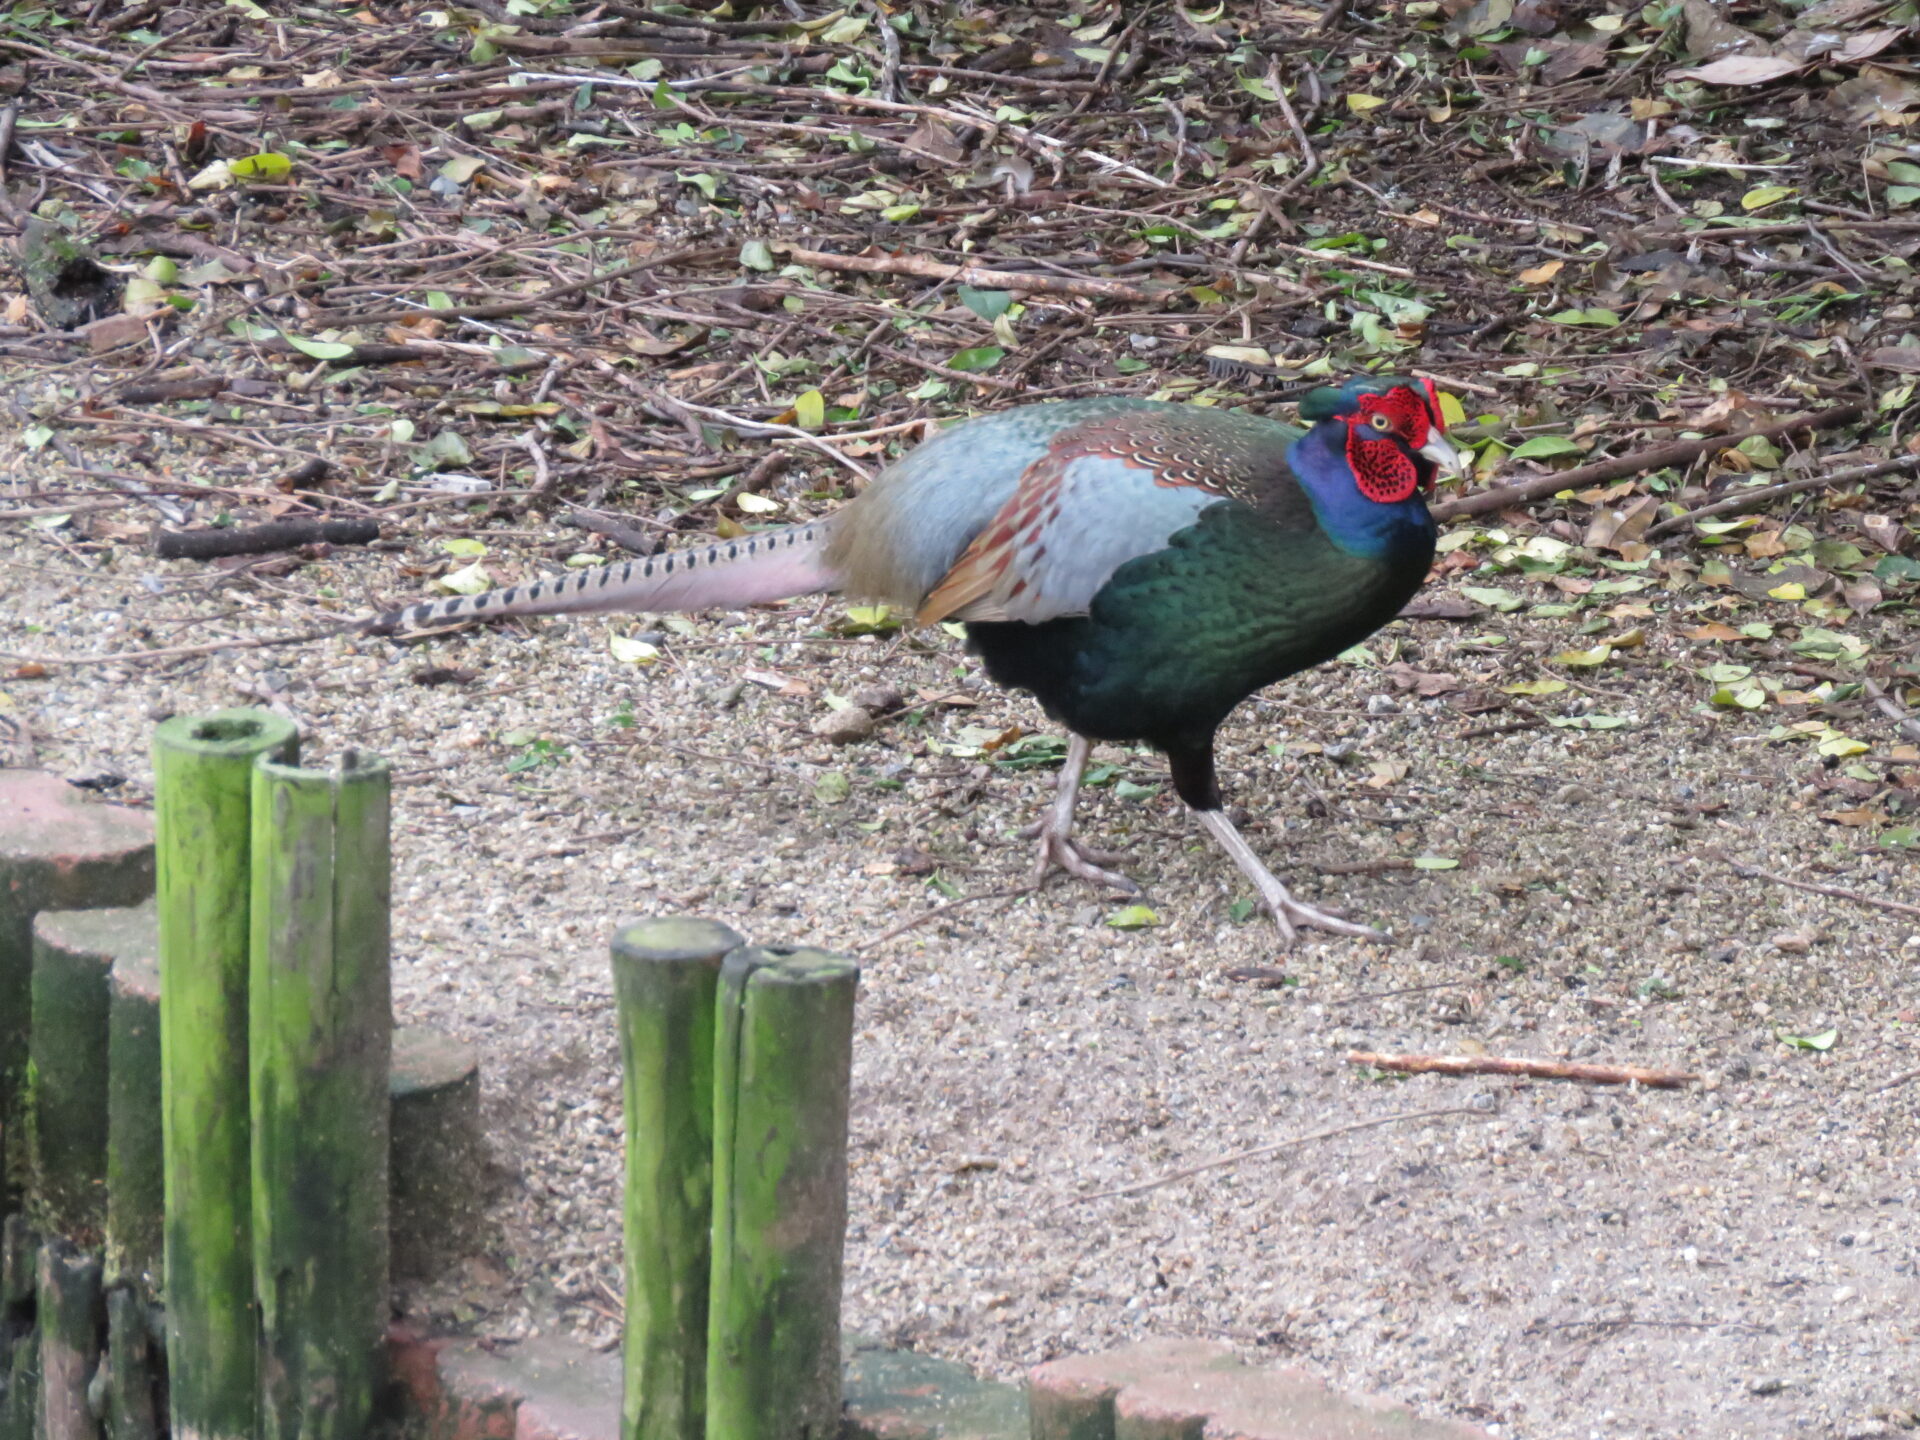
(1857,817)
(1739,70)
(1862,595)
(1865,44)
(405,160)
(1884,531)
(1542,274)
(1385,773)
(1441,606)
(1611,528)
(1876,97)
(114,331)
(1765,544)
(1424,683)
(1713,630)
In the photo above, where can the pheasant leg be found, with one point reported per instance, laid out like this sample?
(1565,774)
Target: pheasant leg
(1287,912)
(1057,845)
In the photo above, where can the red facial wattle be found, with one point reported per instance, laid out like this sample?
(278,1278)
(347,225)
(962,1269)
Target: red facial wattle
(1378,454)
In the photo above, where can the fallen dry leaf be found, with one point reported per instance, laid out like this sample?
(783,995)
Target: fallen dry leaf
(1739,70)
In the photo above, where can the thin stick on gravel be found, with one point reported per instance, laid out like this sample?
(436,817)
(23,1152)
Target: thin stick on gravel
(1657,457)
(1753,872)
(979,277)
(1261,1150)
(1891,708)
(1906,1078)
(1753,499)
(1534,1069)
(176,652)
(938,910)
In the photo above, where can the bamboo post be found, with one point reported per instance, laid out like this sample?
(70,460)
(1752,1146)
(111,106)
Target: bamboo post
(19,1331)
(203,787)
(665,974)
(132,1413)
(59,850)
(74,952)
(782,1070)
(72,1317)
(136,1170)
(435,1153)
(320,1037)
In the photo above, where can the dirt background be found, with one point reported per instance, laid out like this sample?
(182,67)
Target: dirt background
(1575,793)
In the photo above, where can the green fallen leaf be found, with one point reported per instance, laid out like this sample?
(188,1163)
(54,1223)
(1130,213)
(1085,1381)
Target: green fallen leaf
(318,349)
(267,165)
(1492,597)
(980,357)
(810,410)
(471,580)
(1762,196)
(868,620)
(1585,659)
(1543,445)
(832,788)
(1434,862)
(1535,687)
(1133,917)
(1591,315)
(467,549)
(1823,1041)
(989,305)
(632,652)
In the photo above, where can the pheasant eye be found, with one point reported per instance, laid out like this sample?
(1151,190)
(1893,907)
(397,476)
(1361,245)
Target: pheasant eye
(1380,422)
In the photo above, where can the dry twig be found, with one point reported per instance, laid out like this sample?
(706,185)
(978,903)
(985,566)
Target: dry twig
(1754,872)
(1657,457)
(1533,1069)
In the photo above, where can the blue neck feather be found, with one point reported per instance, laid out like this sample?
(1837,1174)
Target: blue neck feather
(1359,526)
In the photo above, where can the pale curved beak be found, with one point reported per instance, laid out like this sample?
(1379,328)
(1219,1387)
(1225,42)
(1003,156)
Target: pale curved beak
(1447,455)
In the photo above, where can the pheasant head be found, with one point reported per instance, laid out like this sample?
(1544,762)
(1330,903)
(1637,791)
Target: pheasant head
(1396,435)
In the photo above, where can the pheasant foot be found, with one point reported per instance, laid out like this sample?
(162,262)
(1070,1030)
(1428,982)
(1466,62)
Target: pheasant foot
(1288,913)
(1055,830)
(1076,859)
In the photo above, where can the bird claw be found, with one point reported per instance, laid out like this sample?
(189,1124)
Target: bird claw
(1291,916)
(1068,854)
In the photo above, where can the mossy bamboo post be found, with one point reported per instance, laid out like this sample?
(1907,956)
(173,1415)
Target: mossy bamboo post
(136,1169)
(665,975)
(782,1067)
(321,1040)
(131,1411)
(19,1330)
(203,793)
(59,850)
(72,1316)
(74,954)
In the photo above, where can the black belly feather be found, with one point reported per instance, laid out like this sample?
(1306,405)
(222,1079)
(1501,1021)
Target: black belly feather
(1177,638)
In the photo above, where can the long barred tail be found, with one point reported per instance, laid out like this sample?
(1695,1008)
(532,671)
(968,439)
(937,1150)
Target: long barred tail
(772,565)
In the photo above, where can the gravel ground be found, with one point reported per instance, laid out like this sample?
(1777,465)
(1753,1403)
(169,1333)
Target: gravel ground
(1552,1261)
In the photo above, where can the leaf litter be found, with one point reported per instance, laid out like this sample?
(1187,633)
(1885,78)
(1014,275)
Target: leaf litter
(512,271)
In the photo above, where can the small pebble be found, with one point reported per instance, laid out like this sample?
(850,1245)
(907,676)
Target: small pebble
(844,727)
